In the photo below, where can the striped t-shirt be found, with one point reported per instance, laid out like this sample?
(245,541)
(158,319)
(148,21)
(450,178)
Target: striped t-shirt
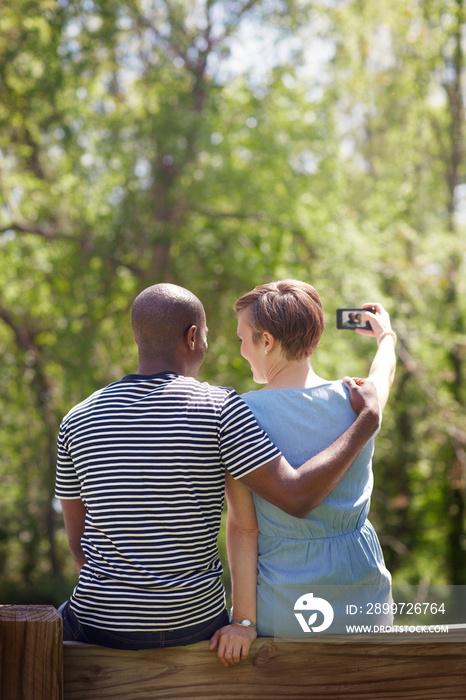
(147,456)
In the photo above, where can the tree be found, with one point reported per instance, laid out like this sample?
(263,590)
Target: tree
(135,150)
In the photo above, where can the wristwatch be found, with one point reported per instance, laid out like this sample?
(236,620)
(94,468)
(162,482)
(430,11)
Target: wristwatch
(245,623)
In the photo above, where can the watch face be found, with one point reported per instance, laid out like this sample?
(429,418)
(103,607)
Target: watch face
(245,623)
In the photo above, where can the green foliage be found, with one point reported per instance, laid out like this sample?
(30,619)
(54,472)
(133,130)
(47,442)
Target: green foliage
(136,147)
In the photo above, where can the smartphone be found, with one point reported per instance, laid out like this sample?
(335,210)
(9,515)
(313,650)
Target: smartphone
(352,318)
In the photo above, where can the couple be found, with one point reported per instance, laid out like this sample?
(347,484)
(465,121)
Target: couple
(142,465)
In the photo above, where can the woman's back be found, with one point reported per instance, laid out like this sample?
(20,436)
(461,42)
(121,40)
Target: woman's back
(303,422)
(334,547)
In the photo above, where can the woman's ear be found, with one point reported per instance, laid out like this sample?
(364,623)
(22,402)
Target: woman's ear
(268,341)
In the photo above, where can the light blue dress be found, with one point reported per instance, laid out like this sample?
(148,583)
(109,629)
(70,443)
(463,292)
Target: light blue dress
(333,552)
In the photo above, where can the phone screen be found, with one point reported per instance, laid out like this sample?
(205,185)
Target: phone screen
(352,318)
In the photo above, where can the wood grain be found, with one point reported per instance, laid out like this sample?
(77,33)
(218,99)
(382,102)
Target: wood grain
(353,667)
(405,667)
(31,653)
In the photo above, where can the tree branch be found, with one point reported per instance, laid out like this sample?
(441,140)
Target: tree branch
(24,335)
(26,227)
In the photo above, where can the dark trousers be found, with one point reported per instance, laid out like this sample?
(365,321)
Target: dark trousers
(75,631)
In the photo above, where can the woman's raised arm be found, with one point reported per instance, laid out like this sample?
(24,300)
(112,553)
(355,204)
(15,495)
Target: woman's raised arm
(382,371)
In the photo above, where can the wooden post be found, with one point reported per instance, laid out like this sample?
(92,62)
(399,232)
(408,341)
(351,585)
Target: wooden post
(31,653)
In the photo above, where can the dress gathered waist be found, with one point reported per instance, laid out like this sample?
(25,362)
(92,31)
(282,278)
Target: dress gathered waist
(310,537)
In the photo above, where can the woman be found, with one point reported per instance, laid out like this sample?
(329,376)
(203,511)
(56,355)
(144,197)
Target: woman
(334,551)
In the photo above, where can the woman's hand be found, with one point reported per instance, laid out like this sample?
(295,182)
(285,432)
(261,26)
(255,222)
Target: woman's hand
(233,643)
(380,321)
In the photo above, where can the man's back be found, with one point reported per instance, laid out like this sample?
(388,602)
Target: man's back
(147,457)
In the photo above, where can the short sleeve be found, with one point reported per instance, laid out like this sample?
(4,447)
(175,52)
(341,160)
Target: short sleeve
(244,446)
(67,485)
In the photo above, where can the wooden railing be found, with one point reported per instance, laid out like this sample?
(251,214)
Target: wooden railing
(36,665)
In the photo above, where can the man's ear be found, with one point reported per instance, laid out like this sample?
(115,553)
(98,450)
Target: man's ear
(191,337)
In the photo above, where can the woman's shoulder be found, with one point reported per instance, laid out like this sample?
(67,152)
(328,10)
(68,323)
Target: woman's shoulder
(325,390)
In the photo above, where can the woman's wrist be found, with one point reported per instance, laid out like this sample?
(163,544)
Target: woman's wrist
(387,334)
(244,622)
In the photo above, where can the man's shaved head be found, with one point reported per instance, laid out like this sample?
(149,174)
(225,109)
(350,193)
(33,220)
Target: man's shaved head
(160,317)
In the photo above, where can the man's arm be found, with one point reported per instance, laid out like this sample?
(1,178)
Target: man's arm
(74,515)
(298,491)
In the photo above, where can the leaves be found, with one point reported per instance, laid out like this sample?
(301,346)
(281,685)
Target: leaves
(138,144)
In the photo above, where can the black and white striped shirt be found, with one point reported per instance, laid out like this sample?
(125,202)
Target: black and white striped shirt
(147,456)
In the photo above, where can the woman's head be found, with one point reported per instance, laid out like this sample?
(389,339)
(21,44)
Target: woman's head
(291,311)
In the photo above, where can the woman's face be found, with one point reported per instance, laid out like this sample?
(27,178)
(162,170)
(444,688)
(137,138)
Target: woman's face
(254,353)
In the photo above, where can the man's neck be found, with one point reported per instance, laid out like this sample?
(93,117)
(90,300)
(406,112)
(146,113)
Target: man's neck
(156,365)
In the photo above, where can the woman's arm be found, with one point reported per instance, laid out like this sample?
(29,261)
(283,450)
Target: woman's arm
(241,540)
(234,640)
(382,371)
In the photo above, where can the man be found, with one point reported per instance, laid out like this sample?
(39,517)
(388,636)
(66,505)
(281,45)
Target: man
(352,321)
(140,475)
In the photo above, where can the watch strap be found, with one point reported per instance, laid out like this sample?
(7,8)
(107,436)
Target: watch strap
(245,623)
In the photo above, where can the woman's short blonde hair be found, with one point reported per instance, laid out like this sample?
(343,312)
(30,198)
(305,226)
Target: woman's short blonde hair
(291,311)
